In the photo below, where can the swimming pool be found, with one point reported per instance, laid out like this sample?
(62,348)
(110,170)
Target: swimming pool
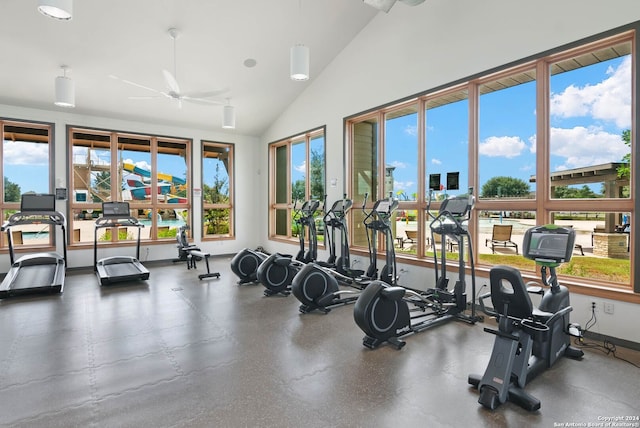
(172,222)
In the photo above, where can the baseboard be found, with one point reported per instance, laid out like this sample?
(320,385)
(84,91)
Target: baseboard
(619,342)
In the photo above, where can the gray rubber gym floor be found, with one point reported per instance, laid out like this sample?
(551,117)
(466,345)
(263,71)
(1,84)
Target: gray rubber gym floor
(178,352)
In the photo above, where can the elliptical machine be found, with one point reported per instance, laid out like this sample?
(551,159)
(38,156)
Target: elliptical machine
(245,265)
(277,271)
(528,340)
(379,220)
(383,312)
(316,286)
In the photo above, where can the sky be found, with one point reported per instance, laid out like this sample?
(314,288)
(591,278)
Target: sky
(590,107)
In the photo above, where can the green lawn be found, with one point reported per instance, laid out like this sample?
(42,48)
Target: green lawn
(614,270)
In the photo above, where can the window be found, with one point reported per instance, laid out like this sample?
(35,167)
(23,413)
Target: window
(27,155)
(507,136)
(151,173)
(217,189)
(549,140)
(297,173)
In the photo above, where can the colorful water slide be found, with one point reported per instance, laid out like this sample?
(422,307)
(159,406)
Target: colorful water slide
(146,173)
(141,190)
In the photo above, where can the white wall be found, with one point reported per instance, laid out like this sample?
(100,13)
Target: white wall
(245,178)
(411,50)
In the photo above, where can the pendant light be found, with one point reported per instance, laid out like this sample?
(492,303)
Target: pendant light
(299,57)
(57,9)
(228,116)
(299,62)
(65,90)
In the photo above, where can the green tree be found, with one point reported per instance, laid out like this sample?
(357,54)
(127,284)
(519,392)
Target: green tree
(565,192)
(625,170)
(316,171)
(217,220)
(219,192)
(501,186)
(297,191)
(12,192)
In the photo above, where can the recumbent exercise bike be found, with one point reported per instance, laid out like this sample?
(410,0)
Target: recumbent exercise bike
(528,339)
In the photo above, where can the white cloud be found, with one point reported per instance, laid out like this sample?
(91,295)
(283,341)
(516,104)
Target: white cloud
(436,161)
(582,146)
(532,143)
(609,100)
(403,185)
(302,168)
(23,153)
(508,147)
(398,164)
(411,130)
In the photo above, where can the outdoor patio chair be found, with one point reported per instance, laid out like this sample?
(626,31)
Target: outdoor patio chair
(412,236)
(436,242)
(501,235)
(577,246)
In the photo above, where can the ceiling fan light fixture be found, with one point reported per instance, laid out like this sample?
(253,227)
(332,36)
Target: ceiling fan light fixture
(299,62)
(57,9)
(228,117)
(65,91)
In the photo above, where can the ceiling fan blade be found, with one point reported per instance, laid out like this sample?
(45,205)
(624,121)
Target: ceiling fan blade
(171,82)
(201,101)
(129,82)
(149,97)
(207,94)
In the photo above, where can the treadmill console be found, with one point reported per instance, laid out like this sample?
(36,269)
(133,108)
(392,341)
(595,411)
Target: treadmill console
(115,209)
(35,202)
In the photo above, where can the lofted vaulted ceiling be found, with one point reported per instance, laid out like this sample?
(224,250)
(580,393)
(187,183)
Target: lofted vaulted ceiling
(129,39)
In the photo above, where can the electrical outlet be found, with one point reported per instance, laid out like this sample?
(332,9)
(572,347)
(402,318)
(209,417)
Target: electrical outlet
(593,306)
(608,308)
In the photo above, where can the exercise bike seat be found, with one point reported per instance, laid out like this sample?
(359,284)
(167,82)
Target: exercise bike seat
(541,316)
(509,294)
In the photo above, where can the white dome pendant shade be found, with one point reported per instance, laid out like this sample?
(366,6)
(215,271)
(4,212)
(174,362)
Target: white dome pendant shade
(57,9)
(299,62)
(65,91)
(228,116)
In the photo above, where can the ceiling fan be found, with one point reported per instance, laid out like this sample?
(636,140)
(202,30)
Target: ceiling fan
(386,5)
(173,89)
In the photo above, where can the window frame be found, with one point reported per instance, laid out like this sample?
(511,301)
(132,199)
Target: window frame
(288,205)
(154,206)
(543,205)
(15,206)
(230,205)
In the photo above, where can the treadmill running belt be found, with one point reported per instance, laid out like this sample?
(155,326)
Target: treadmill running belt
(34,276)
(121,270)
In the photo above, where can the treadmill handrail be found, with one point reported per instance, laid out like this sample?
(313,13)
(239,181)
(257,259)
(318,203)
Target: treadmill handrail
(105,221)
(55,218)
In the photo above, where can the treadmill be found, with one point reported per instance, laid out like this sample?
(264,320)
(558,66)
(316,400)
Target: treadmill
(41,272)
(118,268)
